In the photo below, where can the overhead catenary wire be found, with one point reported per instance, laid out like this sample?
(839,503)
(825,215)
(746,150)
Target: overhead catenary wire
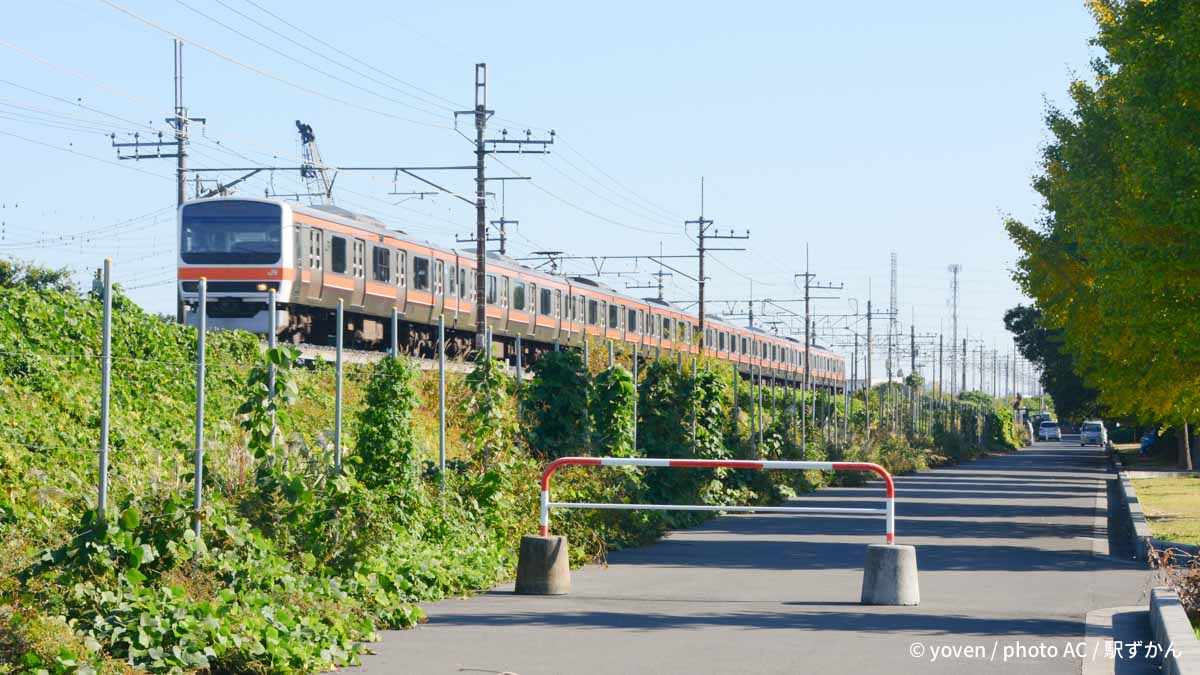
(262,72)
(313,68)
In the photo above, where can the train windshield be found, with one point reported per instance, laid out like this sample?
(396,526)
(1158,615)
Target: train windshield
(231,232)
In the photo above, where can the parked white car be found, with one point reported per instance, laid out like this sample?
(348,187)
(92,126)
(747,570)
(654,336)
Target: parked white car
(1049,431)
(1093,433)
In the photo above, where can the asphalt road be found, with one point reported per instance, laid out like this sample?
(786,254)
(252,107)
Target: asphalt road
(1012,552)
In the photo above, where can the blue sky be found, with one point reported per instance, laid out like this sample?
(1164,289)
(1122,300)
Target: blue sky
(857,128)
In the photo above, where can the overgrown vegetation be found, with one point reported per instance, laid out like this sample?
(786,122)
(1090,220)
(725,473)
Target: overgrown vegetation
(297,563)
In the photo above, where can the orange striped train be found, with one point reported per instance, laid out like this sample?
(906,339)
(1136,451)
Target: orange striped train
(315,256)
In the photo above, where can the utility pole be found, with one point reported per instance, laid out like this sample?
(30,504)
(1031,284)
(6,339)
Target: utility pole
(941,365)
(867,394)
(702,224)
(480,113)
(954,270)
(964,368)
(809,286)
(179,122)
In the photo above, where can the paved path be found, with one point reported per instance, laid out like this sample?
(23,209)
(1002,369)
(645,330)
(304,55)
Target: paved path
(1010,549)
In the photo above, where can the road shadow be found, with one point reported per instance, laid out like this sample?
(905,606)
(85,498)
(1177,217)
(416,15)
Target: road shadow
(888,620)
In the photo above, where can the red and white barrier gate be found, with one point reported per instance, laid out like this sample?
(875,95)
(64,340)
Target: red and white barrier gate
(889,511)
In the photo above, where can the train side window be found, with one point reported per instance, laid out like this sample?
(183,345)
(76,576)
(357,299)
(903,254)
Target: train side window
(314,249)
(401,268)
(744,344)
(504,291)
(613,313)
(452,281)
(439,276)
(462,282)
(299,252)
(490,289)
(591,313)
(558,305)
(337,255)
(420,273)
(547,299)
(381,264)
(631,321)
(533,298)
(518,296)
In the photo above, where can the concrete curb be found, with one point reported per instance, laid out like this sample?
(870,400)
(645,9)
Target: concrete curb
(1139,529)
(1172,630)
(1099,628)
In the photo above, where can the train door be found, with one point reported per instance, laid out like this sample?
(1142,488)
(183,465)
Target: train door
(557,314)
(533,309)
(316,262)
(358,267)
(439,288)
(401,267)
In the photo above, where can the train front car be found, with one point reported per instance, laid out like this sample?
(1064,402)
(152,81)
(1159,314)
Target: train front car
(240,246)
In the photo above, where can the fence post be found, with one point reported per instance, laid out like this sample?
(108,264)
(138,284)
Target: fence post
(395,332)
(337,403)
(586,354)
(736,405)
(610,353)
(198,474)
(442,401)
(105,387)
(271,329)
(694,405)
(635,393)
(517,362)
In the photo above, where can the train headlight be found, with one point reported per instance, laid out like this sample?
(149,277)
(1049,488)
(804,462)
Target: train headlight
(262,287)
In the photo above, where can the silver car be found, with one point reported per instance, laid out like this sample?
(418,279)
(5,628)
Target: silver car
(1093,433)
(1049,431)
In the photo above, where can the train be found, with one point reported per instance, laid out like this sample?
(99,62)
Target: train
(314,256)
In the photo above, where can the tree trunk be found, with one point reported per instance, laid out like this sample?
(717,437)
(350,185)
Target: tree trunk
(1185,450)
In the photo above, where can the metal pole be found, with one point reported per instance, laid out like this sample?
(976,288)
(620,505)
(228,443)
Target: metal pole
(516,361)
(395,332)
(610,354)
(635,393)
(337,403)
(105,386)
(736,405)
(271,344)
(694,405)
(442,400)
(198,479)
(587,368)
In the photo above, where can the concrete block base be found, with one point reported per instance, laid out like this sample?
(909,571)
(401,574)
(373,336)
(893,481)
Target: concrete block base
(542,567)
(890,576)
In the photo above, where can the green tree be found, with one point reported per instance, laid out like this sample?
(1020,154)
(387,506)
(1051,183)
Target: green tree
(1114,264)
(1044,347)
(386,446)
(556,405)
(612,411)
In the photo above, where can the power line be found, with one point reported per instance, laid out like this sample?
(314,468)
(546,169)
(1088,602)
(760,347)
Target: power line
(452,104)
(309,66)
(82,154)
(264,73)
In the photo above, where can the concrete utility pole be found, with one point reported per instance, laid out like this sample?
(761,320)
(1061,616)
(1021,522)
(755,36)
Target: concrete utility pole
(867,394)
(809,286)
(941,365)
(527,146)
(954,270)
(179,122)
(702,224)
(964,368)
